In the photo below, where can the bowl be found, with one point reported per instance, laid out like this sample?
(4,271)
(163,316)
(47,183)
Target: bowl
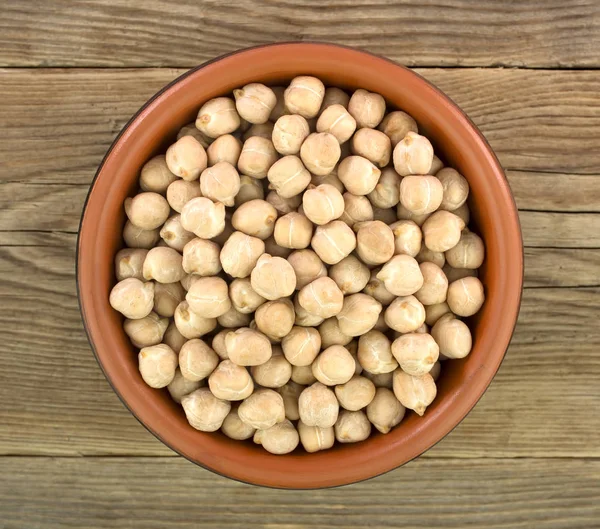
(494,214)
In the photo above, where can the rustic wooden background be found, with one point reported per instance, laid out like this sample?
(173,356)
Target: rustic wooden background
(73,72)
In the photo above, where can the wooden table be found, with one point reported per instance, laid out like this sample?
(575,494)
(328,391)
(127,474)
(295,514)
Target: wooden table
(73,72)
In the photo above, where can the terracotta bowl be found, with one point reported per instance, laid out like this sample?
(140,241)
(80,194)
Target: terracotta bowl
(454,136)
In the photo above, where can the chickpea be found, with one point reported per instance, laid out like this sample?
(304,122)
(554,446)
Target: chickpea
(147,211)
(301,345)
(414,393)
(129,262)
(173,234)
(318,406)
(233,319)
(263,409)
(456,188)
(453,337)
(355,394)
(314,439)
(155,175)
(336,120)
(135,237)
(157,365)
(353,350)
(352,427)
(436,371)
(356,209)
(191,130)
(385,411)
(387,191)
(322,297)
(435,285)
(220,183)
(464,213)
(284,205)
(279,109)
(350,275)
(367,108)
(273,277)
(330,334)
(204,411)
(320,152)
(218,344)
(425,255)
(203,217)
(381,380)
(262,130)
(257,157)
(180,386)
(374,242)
(186,158)
(132,298)
(358,175)
(403,214)
(275,318)
(201,257)
(190,324)
(163,265)
(454,274)
(304,96)
(307,267)
(333,241)
(197,360)
(256,218)
(330,179)
(289,133)
(290,393)
(275,372)
(416,353)
(250,189)
(322,204)
(282,438)
(243,297)
(401,275)
(147,331)
(406,314)
(167,297)
(334,96)
(288,176)
(423,329)
(359,314)
(434,312)
(230,381)
(180,192)
(173,338)
(226,148)
(240,254)
(209,297)
(255,102)
(421,195)
(442,231)
(469,252)
(466,296)
(293,230)
(407,237)
(413,155)
(373,145)
(303,375)
(375,353)
(304,318)
(396,125)
(218,117)
(234,428)
(247,347)
(376,289)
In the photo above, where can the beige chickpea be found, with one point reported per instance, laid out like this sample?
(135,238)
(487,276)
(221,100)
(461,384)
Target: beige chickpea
(375,353)
(157,365)
(455,186)
(147,331)
(469,252)
(358,175)
(373,145)
(353,350)
(173,338)
(203,217)
(421,195)
(174,234)
(155,175)
(167,297)
(293,231)
(129,263)
(201,257)
(240,254)
(262,130)
(304,318)
(403,214)
(301,345)
(357,208)
(322,204)
(284,205)
(381,380)
(233,319)
(434,312)
(330,179)
(336,120)
(163,265)
(226,148)
(180,192)
(413,155)
(263,409)
(247,347)
(303,375)
(290,393)
(425,255)
(234,428)
(396,125)
(273,277)
(231,382)
(454,274)
(191,130)
(416,353)
(257,157)
(320,152)
(304,96)
(289,133)
(359,314)
(256,218)
(275,318)
(197,360)
(218,344)
(466,296)
(355,394)
(147,210)
(442,231)
(387,191)
(334,96)
(376,289)
(453,337)
(186,158)
(436,371)
(180,386)
(436,165)
(220,183)
(333,241)
(318,406)
(401,275)
(414,392)
(435,285)
(367,108)
(135,237)
(190,324)
(209,297)
(218,117)
(407,237)
(464,213)
(406,314)
(385,411)
(321,297)
(279,109)
(375,243)
(132,298)
(288,176)
(330,334)
(275,372)
(350,275)
(255,102)
(352,427)
(314,438)
(281,438)
(250,189)
(204,411)
(243,297)
(307,267)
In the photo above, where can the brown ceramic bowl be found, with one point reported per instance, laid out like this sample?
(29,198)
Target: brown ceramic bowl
(453,135)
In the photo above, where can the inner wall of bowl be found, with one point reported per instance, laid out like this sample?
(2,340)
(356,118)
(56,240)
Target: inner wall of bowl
(161,119)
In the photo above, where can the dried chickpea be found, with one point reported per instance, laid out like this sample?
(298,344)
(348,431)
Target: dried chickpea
(284,205)
(352,427)
(288,177)
(180,192)
(469,252)
(434,312)
(186,158)
(250,189)
(466,296)
(421,195)
(387,191)
(320,152)
(304,96)
(256,218)
(220,183)
(240,254)
(403,214)
(273,277)
(132,298)
(442,230)
(373,145)
(163,265)
(135,237)
(464,213)
(234,428)
(129,263)
(436,165)
(180,386)
(405,314)
(401,275)
(355,394)
(209,297)
(359,314)
(167,297)
(375,243)
(203,217)
(330,179)
(279,109)
(356,209)
(436,371)
(275,318)
(454,274)
(174,235)
(304,318)
(155,175)
(226,148)
(385,411)
(367,108)
(334,96)
(314,438)
(157,365)
(407,237)
(350,275)
(197,360)
(321,297)
(330,334)
(262,130)
(218,344)
(303,375)
(435,285)
(456,188)
(230,382)
(147,331)
(333,241)
(218,117)
(307,267)
(147,210)
(263,409)
(353,350)
(257,157)
(233,319)
(375,353)
(243,297)
(247,347)
(416,353)
(322,204)
(255,102)
(201,257)
(358,174)
(293,231)
(204,411)
(275,372)
(290,393)
(336,120)
(190,324)
(413,155)
(453,337)
(381,380)
(414,393)
(318,406)
(376,289)
(301,345)
(396,125)
(191,130)
(173,338)
(425,255)
(289,133)
(281,438)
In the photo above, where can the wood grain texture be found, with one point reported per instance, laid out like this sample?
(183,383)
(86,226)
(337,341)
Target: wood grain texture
(531,33)
(157,493)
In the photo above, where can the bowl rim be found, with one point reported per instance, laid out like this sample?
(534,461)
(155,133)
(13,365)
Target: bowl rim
(511,209)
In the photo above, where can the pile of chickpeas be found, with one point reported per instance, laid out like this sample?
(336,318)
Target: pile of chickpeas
(296,267)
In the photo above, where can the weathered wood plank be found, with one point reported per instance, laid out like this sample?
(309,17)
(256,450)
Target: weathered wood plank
(159,492)
(166,33)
